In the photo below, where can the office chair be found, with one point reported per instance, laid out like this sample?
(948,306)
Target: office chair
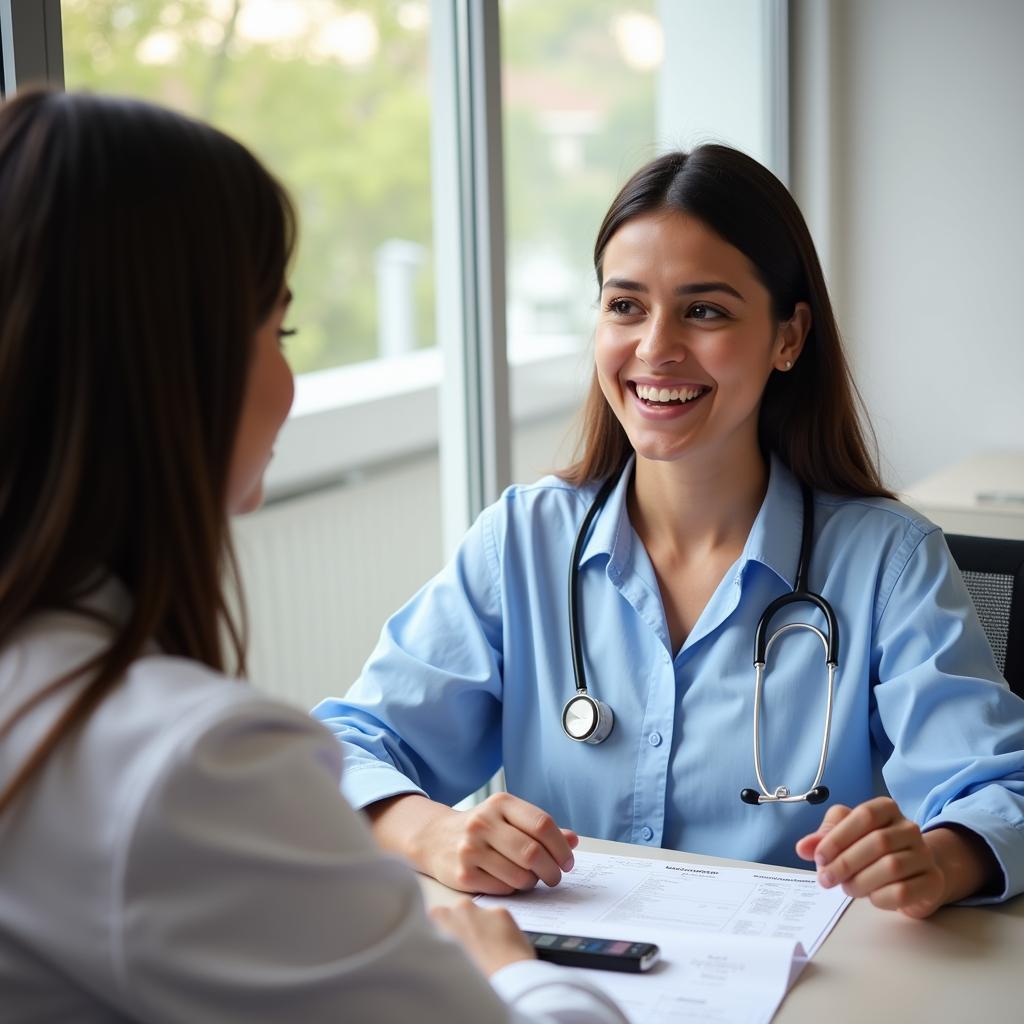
(994,573)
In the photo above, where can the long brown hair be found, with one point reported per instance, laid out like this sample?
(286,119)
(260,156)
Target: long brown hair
(139,252)
(812,417)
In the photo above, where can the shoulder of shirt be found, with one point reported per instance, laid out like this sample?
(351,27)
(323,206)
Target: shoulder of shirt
(194,700)
(199,715)
(886,515)
(542,493)
(162,704)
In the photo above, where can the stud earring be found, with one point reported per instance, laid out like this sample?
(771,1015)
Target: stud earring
(789,364)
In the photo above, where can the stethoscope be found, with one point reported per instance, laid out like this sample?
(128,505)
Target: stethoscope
(589,720)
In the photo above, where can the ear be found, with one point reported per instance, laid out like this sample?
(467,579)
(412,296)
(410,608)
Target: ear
(790,337)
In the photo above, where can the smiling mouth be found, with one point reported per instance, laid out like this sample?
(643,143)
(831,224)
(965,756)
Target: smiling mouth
(659,398)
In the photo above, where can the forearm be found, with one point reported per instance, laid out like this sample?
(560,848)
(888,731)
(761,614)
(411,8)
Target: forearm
(966,862)
(400,822)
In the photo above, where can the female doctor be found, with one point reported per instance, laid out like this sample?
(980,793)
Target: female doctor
(172,844)
(722,425)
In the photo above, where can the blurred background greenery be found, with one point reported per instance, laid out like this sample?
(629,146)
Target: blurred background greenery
(335,98)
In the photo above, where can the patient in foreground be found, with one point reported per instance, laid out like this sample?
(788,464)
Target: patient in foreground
(172,843)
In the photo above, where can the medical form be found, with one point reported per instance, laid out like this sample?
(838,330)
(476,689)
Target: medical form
(733,939)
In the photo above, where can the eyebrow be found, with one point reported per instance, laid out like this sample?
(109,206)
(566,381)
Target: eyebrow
(288,296)
(697,288)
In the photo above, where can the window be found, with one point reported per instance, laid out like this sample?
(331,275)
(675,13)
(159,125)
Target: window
(347,102)
(571,139)
(335,99)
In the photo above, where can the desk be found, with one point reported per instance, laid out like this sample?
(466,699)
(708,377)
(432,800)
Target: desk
(962,964)
(983,496)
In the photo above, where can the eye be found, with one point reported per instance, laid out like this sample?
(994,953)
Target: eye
(287,332)
(622,307)
(704,311)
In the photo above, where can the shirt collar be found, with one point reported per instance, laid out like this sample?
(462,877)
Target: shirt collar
(612,533)
(774,539)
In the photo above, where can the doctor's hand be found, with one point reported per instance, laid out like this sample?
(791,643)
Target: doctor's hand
(501,846)
(489,936)
(872,850)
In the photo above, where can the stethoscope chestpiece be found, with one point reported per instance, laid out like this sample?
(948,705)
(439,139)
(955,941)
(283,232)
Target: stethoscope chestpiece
(586,719)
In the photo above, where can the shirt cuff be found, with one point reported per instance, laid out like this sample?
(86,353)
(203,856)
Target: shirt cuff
(366,782)
(546,987)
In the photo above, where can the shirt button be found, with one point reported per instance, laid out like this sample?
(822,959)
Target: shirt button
(655,739)
(647,833)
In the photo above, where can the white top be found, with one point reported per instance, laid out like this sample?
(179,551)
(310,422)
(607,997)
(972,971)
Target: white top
(185,856)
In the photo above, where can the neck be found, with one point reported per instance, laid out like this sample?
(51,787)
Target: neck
(693,506)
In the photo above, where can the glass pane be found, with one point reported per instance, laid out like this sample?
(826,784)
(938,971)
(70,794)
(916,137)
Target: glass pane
(335,98)
(579,83)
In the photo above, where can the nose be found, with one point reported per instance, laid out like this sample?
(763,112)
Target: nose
(660,344)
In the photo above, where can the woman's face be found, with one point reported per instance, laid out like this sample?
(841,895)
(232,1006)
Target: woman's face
(686,340)
(268,397)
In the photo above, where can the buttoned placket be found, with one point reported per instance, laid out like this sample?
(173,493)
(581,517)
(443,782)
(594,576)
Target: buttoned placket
(663,681)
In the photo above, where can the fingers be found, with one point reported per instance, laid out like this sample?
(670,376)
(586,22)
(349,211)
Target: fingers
(874,851)
(808,845)
(530,840)
(490,936)
(883,850)
(541,828)
(506,845)
(846,829)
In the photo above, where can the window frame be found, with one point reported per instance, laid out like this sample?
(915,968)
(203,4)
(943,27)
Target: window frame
(31,45)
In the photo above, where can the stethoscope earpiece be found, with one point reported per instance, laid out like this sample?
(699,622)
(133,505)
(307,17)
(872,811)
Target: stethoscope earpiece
(818,795)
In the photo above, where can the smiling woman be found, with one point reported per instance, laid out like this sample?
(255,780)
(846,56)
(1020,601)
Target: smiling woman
(724,246)
(682,357)
(724,471)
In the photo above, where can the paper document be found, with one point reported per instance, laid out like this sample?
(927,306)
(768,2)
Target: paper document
(732,939)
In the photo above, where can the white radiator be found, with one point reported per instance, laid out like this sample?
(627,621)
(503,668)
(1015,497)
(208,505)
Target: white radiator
(322,572)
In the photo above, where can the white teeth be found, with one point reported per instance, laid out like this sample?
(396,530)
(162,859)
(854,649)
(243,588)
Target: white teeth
(650,393)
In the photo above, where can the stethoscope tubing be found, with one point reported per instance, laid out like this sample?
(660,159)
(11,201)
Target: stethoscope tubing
(781,794)
(601,717)
(575,634)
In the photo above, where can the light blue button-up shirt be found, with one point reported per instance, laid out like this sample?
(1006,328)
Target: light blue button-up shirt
(472,674)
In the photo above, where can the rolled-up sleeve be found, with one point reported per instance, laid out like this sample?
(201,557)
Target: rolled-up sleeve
(953,729)
(425,714)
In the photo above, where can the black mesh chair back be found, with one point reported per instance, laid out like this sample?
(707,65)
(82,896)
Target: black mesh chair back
(993,571)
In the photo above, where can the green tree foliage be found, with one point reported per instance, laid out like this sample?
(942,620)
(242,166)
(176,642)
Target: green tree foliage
(350,138)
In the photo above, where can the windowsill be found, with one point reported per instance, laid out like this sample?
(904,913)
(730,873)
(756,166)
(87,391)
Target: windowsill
(350,417)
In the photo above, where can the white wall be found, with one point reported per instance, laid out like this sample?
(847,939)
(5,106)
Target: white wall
(921,212)
(723,77)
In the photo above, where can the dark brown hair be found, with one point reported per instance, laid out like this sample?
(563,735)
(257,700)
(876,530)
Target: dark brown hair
(139,252)
(811,417)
